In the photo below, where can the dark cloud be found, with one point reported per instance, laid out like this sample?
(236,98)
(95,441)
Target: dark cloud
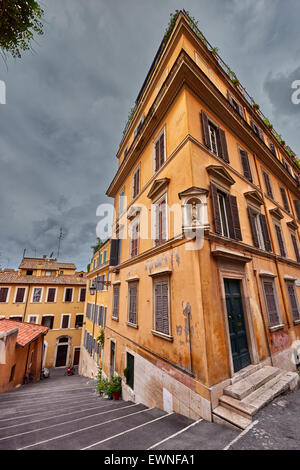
(279,90)
(68,102)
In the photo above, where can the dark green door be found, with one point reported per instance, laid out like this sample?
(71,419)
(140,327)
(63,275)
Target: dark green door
(236,321)
(130,367)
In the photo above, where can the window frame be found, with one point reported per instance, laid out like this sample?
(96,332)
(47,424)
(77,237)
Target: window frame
(7,295)
(156,280)
(72,299)
(62,319)
(292,282)
(130,285)
(41,297)
(47,294)
(272,280)
(156,203)
(79,294)
(48,315)
(157,138)
(25,294)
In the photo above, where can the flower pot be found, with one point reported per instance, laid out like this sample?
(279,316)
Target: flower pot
(101,393)
(116,395)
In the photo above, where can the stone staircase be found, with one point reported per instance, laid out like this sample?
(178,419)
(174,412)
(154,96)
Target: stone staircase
(250,390)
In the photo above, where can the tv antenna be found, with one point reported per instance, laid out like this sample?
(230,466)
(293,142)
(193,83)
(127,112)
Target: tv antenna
(60,238)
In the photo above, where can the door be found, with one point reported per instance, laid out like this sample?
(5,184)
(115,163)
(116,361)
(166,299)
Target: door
(76,357)
(112,358)
(61,356)
(130,373)
(236,320)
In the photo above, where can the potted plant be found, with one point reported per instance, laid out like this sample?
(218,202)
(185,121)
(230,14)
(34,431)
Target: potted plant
(255,106)
(114,388)
(102,383)
(235,81)
(126,373)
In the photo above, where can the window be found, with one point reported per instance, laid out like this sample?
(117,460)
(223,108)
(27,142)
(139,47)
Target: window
(239,109)
(257,130)
(161,306)
(134,238)
(33,319)
(4,294)
(51,294)
(246,165)
(273,149)
(225,214)
(79,321)
(115,251)
(214,138)
(115,312)
(293,300)
(69,294)
(285,199)
(121,202)
(259,230)
(29,272)
(16,318)
(47,320)
(280,240)
(287,167)
(12,373)
(37,294)
(271,302)
(136,182)
(132,303)
(100,318)
(105,256)
(125,153)
(130,370)
(100,259)
(65,321)
(268,184)
(82,294)
(138,128)
(20,295)
(297,208)
(48,273)
(160,221)
(296,247)
(159,151)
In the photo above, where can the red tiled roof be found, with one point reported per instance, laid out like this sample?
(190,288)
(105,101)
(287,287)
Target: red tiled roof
(41,263)
(27,333)
(15,278)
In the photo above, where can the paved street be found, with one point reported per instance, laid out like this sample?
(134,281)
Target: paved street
(64,413)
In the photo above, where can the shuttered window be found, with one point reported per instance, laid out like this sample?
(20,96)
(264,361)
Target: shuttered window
(37,294)
(68,295)
(161,307)
(268,184)
(271,302)
(296,247)
(136,183)
(132,295)
(65,321)
(272,148)
(259,230)
(258,131)
(82,295)
(159,151)
(20,295)
(79,321)
(115,251)
(51,294)
(225,214)
(297,208)
(246,165)
(134,239)
(160,221)
(115,312)
(214,138)
(285,199)
(239,109)
(280,240)
(293,300)
(48,321)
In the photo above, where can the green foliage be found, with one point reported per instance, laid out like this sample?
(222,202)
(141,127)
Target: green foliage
(297,161)
(101,338)
(98,245)
(173,18)
(215,51)
(115,385)
(19,20)
(126,373)
(102,383)
(255,106)
(88,267)
(267,123)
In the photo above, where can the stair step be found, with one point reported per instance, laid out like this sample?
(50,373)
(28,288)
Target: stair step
(245,409)
(242,374)
(244,387)
(231,417)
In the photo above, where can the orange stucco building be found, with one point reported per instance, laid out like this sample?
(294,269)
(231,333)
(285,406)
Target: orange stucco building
(188,317)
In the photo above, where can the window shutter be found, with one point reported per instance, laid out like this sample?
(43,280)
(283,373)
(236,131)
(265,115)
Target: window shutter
(237,233)
(285,199)
(265,232)
(296,248)
(246,165)
(271,303)
(297,208)
(116,302)
(162,149)
(280,240)
(261,134)
(268,185)
(3,294)
(162,307)
(82,295)
(157,156)
(241,111)
(272,148)
(229,97)
(114,252)
(132,303)
(20,294)
(252,215)
(205,131)
(215,209)
(222,145)
(51,294)
(293,300)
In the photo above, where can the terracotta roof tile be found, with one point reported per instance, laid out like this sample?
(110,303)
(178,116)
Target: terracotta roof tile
(41,263)
(15,278)
(27,331)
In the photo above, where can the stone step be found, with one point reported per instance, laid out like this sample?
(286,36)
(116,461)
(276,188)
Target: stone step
(242,374)
(244,409)
(222,415)
(252,382)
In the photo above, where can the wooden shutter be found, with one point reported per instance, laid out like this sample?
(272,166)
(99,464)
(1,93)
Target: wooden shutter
(82,295)
(132,303)
(116,301)
(51,294)
(268,185)
(162,307)
(252,215)
(20,294)
(293,300)
(297,208)
(285,199)
(205,131)
(274,319)
(296,248)
(272,148)
(265,232)
(114,252)
(222,145)
(68,296)
(232,101)
(246,165)
(215,209)
(65,321)
(236,227)
(280,240)
(261,134)
(3,294)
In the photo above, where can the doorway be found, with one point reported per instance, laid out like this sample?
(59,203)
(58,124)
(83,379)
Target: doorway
(62,352)
(76,356)
(237,327)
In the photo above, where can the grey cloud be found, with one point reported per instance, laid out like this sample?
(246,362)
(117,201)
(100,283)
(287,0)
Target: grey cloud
(279,90)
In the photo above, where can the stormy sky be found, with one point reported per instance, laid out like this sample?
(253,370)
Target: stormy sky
(68,102)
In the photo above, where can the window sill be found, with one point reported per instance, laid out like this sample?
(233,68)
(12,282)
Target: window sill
(297,322)
(115,318)
(162,335)
(275,328)
(132,325)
